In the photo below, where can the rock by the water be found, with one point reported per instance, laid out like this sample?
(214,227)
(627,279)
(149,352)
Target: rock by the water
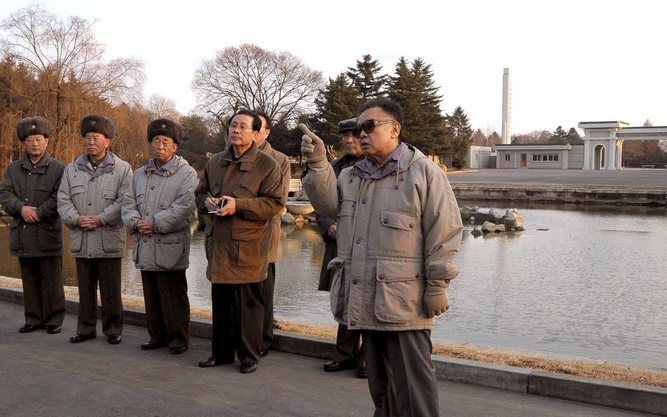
(488,227)
(476,232)
(287,219)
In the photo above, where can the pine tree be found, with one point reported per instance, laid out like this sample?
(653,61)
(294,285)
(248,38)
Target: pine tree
(337,101)
(573,136)
(559,133)
(459,132)
(414,89)
(366,78)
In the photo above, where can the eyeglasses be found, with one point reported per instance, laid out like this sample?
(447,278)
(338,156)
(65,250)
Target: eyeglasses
(369,126)
(235,126)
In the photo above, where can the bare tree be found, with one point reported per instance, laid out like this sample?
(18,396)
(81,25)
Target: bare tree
(68,51)
(251,77)
(159,107)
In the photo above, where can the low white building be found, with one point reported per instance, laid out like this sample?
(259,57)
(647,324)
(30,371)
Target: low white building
(540,156)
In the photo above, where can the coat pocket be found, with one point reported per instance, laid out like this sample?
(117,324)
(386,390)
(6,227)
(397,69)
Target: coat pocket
(169,250)
(113,240)
(398,291)
(75,240)
(49,237)
(251,242)
(337,292)
(15,234)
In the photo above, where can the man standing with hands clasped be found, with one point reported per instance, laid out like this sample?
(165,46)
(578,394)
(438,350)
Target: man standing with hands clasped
(28,194)
(398,231)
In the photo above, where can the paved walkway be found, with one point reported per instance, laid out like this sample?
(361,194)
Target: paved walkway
(45,375)
(625,178)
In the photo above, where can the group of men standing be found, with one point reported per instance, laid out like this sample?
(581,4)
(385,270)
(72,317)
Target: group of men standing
(99,198)
(386,212)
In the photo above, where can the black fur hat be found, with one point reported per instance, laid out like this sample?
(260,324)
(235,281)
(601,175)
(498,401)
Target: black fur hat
(347,124)
(164,127)
(98,124)
(32,126)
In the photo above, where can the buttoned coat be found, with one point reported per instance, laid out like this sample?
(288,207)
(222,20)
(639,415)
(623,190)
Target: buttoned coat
(165,197)
(34,185)
(83,193)
(393,234)
(237,246)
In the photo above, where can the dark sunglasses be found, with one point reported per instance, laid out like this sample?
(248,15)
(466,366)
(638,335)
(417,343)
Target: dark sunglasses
(368,126)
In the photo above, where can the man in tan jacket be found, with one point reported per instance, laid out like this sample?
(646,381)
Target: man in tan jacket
(398,231)
(270,281)
(241,188)
(89,203)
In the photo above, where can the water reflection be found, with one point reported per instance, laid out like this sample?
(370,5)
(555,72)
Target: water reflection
(592,286)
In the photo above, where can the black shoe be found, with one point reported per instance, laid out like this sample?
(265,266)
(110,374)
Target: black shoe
(114,339)
(276,325)
(82,338)
(178,349)
(264,353)
(27,328)
(213,361)
(53,329)
(335,366)
(362,372)
(150,345)
(248,368)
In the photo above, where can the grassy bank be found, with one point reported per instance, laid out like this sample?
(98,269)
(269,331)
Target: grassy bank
(600,369)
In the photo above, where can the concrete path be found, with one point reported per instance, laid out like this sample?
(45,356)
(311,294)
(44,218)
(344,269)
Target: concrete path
(624,178)
(45,375)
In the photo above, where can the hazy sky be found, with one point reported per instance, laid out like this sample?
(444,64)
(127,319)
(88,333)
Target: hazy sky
(571,61)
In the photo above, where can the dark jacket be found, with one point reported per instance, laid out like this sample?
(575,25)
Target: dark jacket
(324,223)
(283,162)
(237,246)
(33,185)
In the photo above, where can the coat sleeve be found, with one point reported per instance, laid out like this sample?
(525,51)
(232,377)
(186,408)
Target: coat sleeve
(322,191)
(8,199)
(129,212)
(182,210)
(48,210)
(66,209)
(111,214)
(270,200)
(441,225)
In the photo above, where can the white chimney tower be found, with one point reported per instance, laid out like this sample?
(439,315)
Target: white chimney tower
(506,137)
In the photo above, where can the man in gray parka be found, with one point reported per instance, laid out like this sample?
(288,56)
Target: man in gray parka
(158,209)
(398,231)
(28,194)
(89,202)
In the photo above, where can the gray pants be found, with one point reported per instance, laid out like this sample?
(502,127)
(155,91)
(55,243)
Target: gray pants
(401,376)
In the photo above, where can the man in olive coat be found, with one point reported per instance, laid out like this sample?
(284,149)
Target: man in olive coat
(28,194)
(158,209)
(89,202)
(349,353)
(270,281)
(242,190)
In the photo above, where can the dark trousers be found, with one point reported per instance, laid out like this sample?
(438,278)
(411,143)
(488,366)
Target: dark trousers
(238,314)
(267,291)
(43,293)
(167,307)
(106,272)
(349,346)
(401,376)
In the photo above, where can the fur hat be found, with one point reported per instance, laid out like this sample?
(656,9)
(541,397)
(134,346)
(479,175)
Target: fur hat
(98,124)
(164,127)
(347,124)
(32,126)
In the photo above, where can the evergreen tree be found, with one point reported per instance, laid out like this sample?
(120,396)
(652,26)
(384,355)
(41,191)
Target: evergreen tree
(573,136)
(459,132)
(414,89)
(336,102)
(366,78)
(559,133)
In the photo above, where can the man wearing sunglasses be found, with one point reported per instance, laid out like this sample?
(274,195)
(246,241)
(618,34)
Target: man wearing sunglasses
(349,353)
(398,231)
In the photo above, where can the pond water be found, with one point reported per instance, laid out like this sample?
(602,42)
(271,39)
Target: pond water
(593,286)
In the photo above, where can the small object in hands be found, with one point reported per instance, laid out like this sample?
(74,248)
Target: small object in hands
(221,204)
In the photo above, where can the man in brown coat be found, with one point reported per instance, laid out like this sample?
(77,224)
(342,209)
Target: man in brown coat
(28,194)
(242,190)
(270,281)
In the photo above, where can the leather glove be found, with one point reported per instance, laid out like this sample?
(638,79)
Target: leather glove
(435,299)
(313,149)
